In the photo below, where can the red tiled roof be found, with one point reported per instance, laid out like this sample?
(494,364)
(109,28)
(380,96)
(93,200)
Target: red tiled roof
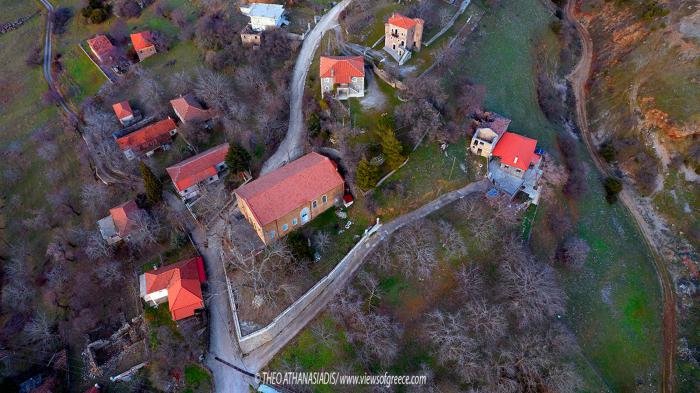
(188,109)
(183,282)
(342,68)
(403,21)
(142,40)
(122,109)
(93,389)
(200,167)
(277,193)
(124,217)
(101,46)
(158,131)
(516,150)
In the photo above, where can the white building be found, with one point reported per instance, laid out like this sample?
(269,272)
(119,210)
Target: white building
(264,16)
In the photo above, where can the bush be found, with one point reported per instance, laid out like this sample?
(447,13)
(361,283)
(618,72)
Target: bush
(97,11)
(608,152)
(299,246)
(60,18)
(613,186)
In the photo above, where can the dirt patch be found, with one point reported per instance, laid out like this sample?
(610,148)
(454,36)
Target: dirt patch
(374,98)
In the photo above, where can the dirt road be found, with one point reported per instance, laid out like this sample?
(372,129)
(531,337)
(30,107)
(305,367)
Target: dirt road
(293,143)
(579,78)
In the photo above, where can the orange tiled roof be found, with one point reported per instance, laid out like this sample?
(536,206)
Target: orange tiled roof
(342,68)
(200,167)
(516,150)
(101,45)
(122,109)
(183,282)
(158,132)
(279,192)
(125,217)
(188,109)
(142,40)
(404,22)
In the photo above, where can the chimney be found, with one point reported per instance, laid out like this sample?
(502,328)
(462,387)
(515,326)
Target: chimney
(515,160)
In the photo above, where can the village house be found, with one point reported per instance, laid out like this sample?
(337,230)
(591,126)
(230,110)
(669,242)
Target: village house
(102,48)
(188,176)
(514,166)
(144,44)
(120,223)
(342,76)
(188,109)
(250,37)
(487,134)
(402,36)
(179,284)
(124,113)
(264,16)
(148,139)
(289,197)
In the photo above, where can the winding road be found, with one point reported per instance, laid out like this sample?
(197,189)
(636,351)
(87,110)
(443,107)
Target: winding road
(579,78)
(292,145)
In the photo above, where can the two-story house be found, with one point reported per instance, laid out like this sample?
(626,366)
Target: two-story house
(179,284)
(121,221)
(264,16)
(188,109)
(342,77)
(514,166)
(148,139)
(487,134)
(102,48)
(289,197)
(191,174)
(402,36)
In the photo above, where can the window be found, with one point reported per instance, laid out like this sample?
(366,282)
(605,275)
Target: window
(285,227)
(324,199)
(294,221)
(314,204)
(272,235)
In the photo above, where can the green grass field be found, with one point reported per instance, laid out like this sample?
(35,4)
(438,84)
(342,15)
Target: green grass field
(614,307)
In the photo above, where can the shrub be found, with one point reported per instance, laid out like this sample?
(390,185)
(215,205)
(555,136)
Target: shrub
(613,186)
(608,152)
(60,18)
(299,246)
(152,185)
(97,11)
(367,175)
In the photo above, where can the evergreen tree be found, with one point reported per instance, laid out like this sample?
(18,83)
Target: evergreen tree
(367,175)
(391,147)
(237,159)
(152,185)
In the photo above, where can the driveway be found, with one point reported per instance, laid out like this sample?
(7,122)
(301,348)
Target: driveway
(293,143)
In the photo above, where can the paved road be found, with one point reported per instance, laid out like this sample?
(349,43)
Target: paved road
(258,358)
(293,143)
(221,342)
(579,77)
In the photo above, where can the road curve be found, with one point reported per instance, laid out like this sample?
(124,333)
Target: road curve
(259,357)
(579,77)
(293,143)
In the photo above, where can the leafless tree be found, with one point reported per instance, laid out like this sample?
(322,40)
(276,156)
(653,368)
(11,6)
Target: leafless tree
(18,295)
(574,252)
(109,272)
(323,334)
(146,231)
(212,87)
(96,247)
(451,240)
(377,336)
(95,197)
(370,284)
(39,331)
(321,241)
(415,250)
(381,256)
(448,333)
(151,92)
(180,82)
(531,290)
(470,282)
(485,321)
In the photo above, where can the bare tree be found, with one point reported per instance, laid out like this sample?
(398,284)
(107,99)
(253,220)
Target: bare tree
(470,282)
(415,250)
(485,321)
(377,335)
(370,284)
(381,256)
(109,272)
(146,231)
(321,241)
(95,197)
(18,295)
(574,252)
(96,247)
(451,240)
(39,331)
(212,87)
(448,333)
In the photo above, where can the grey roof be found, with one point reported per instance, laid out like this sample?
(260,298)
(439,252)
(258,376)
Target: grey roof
(273,11)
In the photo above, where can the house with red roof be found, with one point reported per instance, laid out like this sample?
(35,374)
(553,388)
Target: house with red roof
(190,175)
(402,36)
(179,284)
(514,166)
(188,109)
(148,139)
(102,48)
(123,112)
(289,197)
(144,44)
(121,222)
(342,76)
